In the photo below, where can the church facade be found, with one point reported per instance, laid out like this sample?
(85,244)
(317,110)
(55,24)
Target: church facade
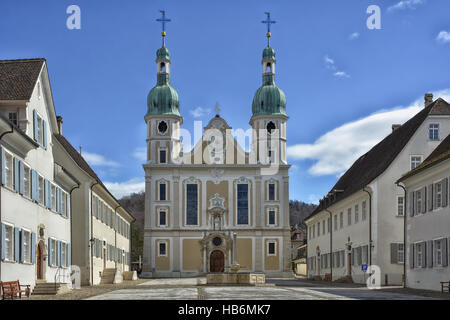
(216,205)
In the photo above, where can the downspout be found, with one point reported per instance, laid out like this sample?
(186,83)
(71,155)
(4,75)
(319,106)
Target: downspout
(1,137)
(71,221)
(115,230)
(370,225)
(404,233)
(92,237)
(331,244)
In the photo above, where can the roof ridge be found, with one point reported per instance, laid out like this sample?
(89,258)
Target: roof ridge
(22,60)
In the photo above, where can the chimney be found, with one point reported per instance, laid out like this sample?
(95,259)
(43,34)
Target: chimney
(395,127)
(60,122)
(428,99)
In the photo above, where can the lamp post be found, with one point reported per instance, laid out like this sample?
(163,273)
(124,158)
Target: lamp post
(348,245)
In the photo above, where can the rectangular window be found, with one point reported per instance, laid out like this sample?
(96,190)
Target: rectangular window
(335,223)
(419,257)
(400,206)
(415,161)
(162,156)
(356,213)
(314,231)
(419,201)
(162,191)
(271,191)
(400,253)
(363,209)
(349,216)
(271,248)
(40,130)
(162,249)
(64,204)
(53,198)
(12,116)
(9,242)
(27,181)
(53,252)
(438,252)
(63,254)
(318,229)
(242,204)
(438,188)
(341,220)
(41,190)
(9,170)
(162,218)
(27,246)
(329,225)
(323,227)
(272,220)
(434,131)
(191,204)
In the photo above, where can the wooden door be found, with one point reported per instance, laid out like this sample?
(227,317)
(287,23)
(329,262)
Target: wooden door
(217,261)
(38,262)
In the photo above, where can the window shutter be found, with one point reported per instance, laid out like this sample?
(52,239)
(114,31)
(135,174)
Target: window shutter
(22,246)
(21,178)
(16,244)
(430,197)
(411,204)
(394,249)
(445,192)
(35,126)
(445,252)
(424,254)
(434,196)
(58,253)
(2,237)
(33,248)
(68,206)
(16,174)
(33,187)
(424,199)
(411,256)
(50,255)
(3,166)
(430,253)
(45,193)
(69,257)
(44,133)
(366,256)
(59,200)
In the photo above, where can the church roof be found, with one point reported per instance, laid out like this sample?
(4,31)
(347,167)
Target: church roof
(18,78)
(373,163)
(81,162)
(441,153)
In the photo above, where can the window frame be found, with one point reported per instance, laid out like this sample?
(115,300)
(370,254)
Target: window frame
(27,255)
(162,242)
(197,184)
(9,167)
(400,253)
(274,242)
(341,220)
(433,133)
(411,161)
(349,216)
(162,182)
(402,206)
(160,211)
(237,203)
(356,213)
(16,116)
(275,212)
(10,241)
(159,155)
(270,183)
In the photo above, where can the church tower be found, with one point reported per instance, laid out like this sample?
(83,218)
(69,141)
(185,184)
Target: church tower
(163,116)
(269,116)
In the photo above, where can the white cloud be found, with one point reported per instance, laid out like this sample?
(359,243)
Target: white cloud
(121,189)
(341,74)
(329,63)
(199,112)
(98,160)
(140,153)
(336,150)
(353,36)
(443,37)
(406,4)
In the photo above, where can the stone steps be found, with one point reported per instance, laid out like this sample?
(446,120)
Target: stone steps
(48,288)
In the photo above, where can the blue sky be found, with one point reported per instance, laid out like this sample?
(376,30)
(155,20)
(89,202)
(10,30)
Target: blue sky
(345,84)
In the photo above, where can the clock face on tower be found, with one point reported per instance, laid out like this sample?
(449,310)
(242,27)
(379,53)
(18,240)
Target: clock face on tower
(162,127)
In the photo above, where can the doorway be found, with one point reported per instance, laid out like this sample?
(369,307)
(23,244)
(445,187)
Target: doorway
(39,262)
(217,261)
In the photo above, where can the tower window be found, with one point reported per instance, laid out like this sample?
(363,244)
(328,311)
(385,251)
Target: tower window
(269,68)
(163,67)
(262,105)
(162,156)
(162,127)
(270,127)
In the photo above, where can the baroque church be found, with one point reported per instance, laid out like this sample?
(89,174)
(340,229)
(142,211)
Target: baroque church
(217,205)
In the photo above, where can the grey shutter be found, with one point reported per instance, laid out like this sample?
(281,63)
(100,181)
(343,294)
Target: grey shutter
(444,252)
(394,253)
(411,204)
(434,196)
(33,248)
(2,237)
(44,133)
(430,198)
(50,255)
(16,244)
(423,192)
(3,166)
(69,257)
(45,193)
(68,206)
(424,254)
(359,250)
(33,185)
(429,253)
(35,126)
(366,255)
(58,253)
(22,246)
(21,178)
(16,174)
(411,256)
(445,192)
(58,199)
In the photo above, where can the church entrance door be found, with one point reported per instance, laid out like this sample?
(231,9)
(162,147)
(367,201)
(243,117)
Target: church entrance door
(38,262)
(217,261)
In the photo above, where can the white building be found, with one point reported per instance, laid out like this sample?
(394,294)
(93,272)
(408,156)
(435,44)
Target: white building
(365,208)
(35,192)
(428,220)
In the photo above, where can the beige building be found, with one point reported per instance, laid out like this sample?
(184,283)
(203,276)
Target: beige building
(197,200)
(101,232)
(428,220)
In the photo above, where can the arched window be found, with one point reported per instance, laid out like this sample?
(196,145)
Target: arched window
(268,68)
(163,67)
